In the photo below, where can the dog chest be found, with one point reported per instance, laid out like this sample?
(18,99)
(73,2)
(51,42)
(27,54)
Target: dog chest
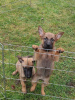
(45,60)
(45,65)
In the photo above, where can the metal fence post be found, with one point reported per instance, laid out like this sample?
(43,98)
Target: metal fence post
(4,81)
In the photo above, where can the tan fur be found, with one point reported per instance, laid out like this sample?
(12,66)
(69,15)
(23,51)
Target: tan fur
(19,69)
(45,60)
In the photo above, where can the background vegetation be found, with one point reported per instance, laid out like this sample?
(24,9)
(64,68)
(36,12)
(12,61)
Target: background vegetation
(19,21)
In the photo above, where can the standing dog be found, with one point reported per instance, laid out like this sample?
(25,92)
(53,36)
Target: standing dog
(25,70)
(45,56)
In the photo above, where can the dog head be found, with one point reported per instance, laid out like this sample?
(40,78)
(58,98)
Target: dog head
(27,64)
(48,39)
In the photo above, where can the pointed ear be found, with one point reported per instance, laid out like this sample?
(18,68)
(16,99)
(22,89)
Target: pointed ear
(20,59)
(33,61)
(41,32)
(58,36)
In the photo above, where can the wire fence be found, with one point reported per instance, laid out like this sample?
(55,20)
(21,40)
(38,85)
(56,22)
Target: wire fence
(66,77)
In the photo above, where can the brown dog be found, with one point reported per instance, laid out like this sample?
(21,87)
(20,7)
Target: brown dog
(25,70)
(45,55)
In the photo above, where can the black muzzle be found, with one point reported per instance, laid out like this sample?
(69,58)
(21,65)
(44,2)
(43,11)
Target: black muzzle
(28,71)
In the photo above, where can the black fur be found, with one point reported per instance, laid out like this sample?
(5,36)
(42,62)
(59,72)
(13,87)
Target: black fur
(28,71)
(48,43)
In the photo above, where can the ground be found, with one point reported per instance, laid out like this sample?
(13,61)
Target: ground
(19,21)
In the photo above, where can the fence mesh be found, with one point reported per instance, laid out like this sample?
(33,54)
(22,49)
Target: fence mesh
(62,80)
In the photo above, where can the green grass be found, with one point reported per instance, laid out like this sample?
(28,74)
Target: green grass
(19,25)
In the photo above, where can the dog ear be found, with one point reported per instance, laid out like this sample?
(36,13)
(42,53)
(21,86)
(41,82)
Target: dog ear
(58,36)
(33,61)
(20,59)
(41,32)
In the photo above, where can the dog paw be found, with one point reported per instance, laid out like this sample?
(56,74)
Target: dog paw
(13,73)
(60,50)
(32,89)
(24,91)
(35,47)
(42,93)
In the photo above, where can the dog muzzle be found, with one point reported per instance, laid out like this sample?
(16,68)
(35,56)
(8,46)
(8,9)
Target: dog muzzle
(28,71)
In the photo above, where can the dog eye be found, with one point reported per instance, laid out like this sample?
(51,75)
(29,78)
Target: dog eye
(52,40)
(46,38)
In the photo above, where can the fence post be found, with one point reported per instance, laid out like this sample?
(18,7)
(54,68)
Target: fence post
(4,81)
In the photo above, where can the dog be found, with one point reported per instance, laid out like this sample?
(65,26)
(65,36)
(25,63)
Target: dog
(24,67)
(45,55)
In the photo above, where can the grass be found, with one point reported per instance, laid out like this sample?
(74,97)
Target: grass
(19,25)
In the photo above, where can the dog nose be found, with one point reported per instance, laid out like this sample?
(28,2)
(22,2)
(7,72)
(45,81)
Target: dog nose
(28,76)
(48,43)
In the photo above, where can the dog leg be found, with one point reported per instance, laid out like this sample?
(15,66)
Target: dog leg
(36,54)
(42,89)
(35,47)
(15,72)
(23,85)
(57,53)
(34,82)
(33,87)
(46,82)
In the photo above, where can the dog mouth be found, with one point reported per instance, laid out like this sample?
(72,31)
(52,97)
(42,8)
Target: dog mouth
(47,47)
(28,71)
